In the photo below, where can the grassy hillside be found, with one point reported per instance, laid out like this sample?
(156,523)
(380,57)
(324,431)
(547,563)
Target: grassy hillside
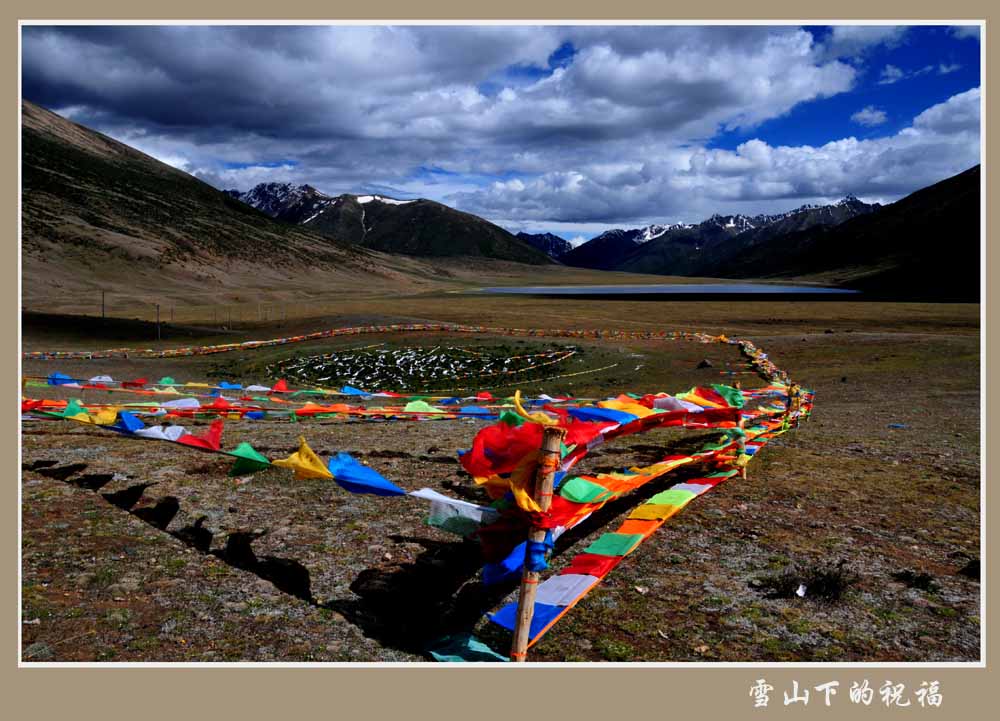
(97,213)
(422,228)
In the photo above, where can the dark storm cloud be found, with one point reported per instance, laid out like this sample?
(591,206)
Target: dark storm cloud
(613,132)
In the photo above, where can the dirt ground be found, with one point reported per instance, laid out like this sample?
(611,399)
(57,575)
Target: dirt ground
(146,551)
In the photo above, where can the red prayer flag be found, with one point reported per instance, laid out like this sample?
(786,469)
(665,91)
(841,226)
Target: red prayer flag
(211,441)
(499,448)
(591,564)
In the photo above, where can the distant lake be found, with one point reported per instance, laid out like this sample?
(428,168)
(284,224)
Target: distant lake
(669,288)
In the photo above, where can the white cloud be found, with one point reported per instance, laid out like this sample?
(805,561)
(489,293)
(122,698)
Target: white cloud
(869,116)
(755,177)
(852,41)
(959,114)
(362,84)
(891,74)
(249,176)
(965,31)
(615,135)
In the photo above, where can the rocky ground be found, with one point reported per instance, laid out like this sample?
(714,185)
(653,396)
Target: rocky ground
(147,551)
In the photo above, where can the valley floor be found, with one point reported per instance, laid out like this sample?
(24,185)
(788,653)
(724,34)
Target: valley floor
(883,481)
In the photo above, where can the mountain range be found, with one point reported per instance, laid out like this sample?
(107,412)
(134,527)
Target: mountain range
(687,248)
(96,212)
(924,246)
(412,227)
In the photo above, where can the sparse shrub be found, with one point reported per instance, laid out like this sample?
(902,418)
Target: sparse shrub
(920,581)
(828,583)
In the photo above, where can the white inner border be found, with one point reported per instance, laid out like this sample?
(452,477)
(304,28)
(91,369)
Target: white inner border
(646,664)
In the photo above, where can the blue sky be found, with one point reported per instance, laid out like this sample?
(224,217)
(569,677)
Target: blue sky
(933,47)
(564,129)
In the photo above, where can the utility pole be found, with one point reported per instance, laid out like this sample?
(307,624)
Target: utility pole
(102,305)
(157,321)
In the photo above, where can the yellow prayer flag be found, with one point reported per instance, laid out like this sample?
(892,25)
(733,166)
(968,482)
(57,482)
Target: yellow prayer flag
(304,462)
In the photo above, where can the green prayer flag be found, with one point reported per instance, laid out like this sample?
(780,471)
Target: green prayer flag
(166,381)
(579,490)
(732,395)
(73,408)
(463,647)
(614,544)
(511,418)
(421,406)
(248,460)
(672,497)
(722,474)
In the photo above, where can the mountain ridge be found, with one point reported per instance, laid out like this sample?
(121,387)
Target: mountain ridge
(417,227)
(674,248)
(550,244)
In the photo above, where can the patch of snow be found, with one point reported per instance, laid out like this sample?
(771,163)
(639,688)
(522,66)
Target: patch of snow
(382,199)
(651,232)
(311,217)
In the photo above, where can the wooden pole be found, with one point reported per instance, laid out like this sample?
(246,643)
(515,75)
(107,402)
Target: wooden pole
(741,448)
(549,462)
(795,400)
(157,321)
(102,305)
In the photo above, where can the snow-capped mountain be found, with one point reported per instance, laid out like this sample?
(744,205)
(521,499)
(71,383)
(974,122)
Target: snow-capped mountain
(283,201)
(680,247)
(737,223)
(300,204)
(652,232)
(414,227)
